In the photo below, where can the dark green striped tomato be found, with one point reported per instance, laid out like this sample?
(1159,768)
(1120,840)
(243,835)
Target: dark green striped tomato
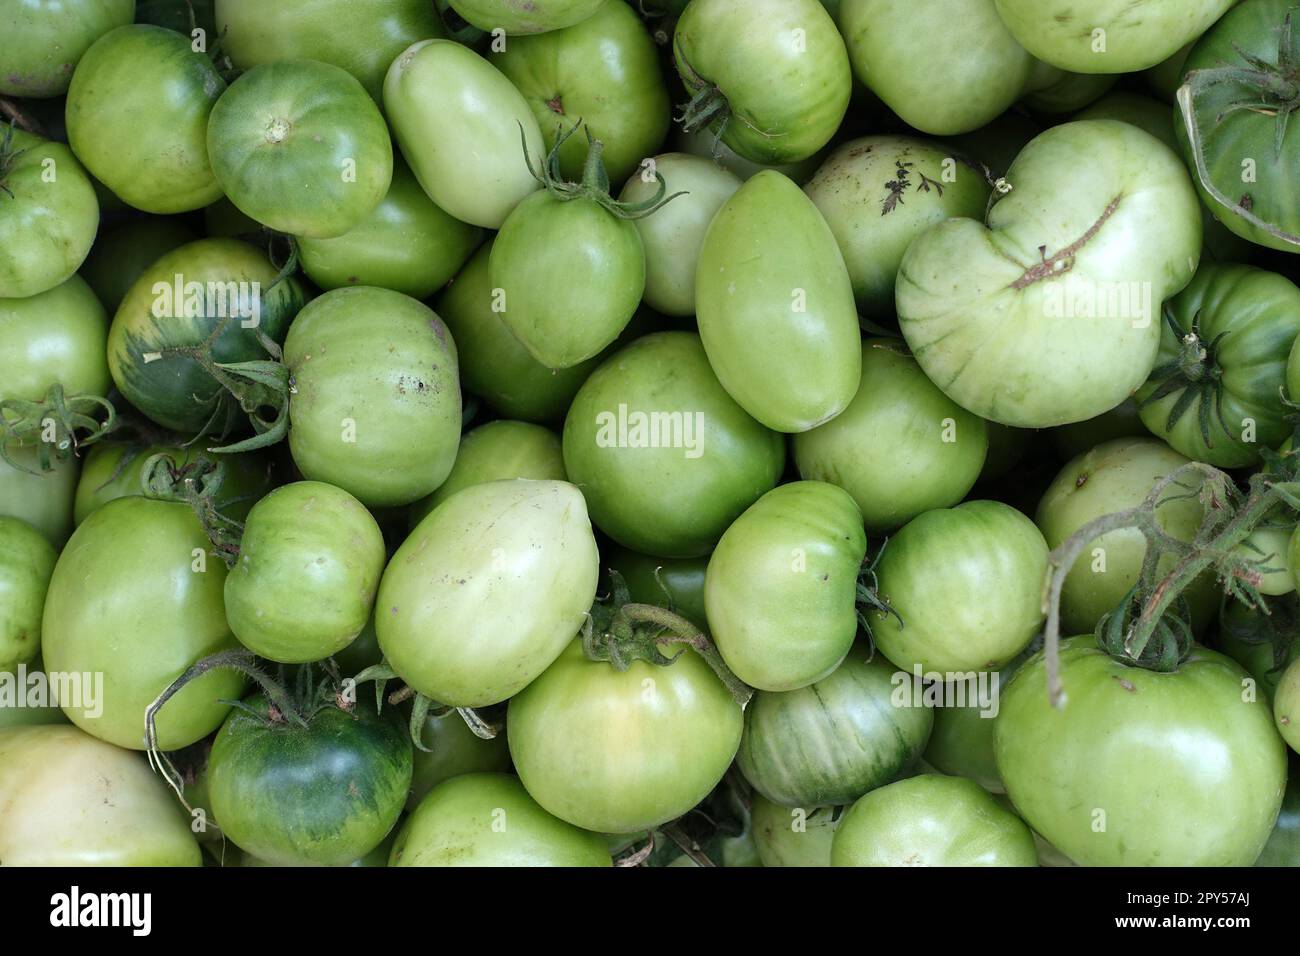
(673,583)
(26,563)
(453,749)
(57,336)
(793,836)
(535,16)
(44,41)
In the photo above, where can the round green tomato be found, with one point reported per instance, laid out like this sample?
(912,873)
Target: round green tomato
(673,583)
(26,563)
(377,404)
(44,39)
(961,743)
(796,836)
(775,307)
(122,254)
(300,147)
(901,447)
(48,214)
(1126,734)
(937,573)
(488,819)
(406,244)
(1048,312)
(1286,706)
(931,820)
(453,750)
(664,456)
(325,794)
(488,590)
(535,16)
(829,743)
(458,121)
(780,67)
(54,337)
(151,82)
(73,801)
(41,498)
(781,586)
(621,751)
(139,560)
(704,142)
(674,234)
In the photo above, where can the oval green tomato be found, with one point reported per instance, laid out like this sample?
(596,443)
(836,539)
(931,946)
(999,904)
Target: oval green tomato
(1050,313)
(41,498)
(796,836)
(664,456)
(122,254)
(54,337)
(938,574)
(376,409)
(301,148)
(1286,706)
(622,751)
(46,38)
(1124,733)
(488,590)
(447,103)
(151,82)
(673,583)
(26,563)
(535,16)
(453,750)
(931,820)
(781,586)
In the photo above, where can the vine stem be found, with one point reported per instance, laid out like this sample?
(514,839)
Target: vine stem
(11,110)
(681,631)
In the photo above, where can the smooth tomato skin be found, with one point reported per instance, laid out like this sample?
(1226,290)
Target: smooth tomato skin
(659,501)
(47,39)
(775,307)
(571,276)
(326,794)
(961,744)
(406,244)
(445,102)
(150,81)
(122,254)
(472,607)
(26,563)
(454,750)
(829,743)
(132,561)
(46,227)
(786,836)
(57,336)
(648,577)
(300,147)
(1286,706)
(1124,734)
(537,16)
(983,547)
(931,820)
(901,447)
(42,499)
(377,408)
(781,587)
(786,97)
(621,752)
(488,819)
(71,800)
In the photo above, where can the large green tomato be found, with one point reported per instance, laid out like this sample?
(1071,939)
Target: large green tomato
(931,820)
(453,749)
(1222,363)
(301,148)
(488,819)
(829,743)
(1286,706)
(796,836)
(622,751)
(122,254)
(775,307)
(151,82)
(781,587)
(907,185)
(376,408)
(48,214)
(664,456)
(487,590)
(458,121)
(1115,476)
(44,39)
(42,499)
(136,597)
(73,801)
(776,69)
(1141,768)
(57,336)
(673,583)
(938,574)
(1050,313)
(901,448)
(533,16)
(673,236)
(26,563)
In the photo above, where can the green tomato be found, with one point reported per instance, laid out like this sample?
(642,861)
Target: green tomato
(26,563)
(1283,846)
(670,484)
(46,38)
(673,583)
(41,498)
(148,80)
(48,214)
(1245,635)
(937,574)
(1055,91)
(1049,313)
(477,566)
(139,560)
(122,254)
(621,751)
(54,337)
(535,16)
(706,144)
(453,750)
(901,448)
(1084,775)
(446,104)
(795,836)
(961,744)
(931,820)
(377,405)
(1286,706)
(488,819)
(781,586)
(300,147)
